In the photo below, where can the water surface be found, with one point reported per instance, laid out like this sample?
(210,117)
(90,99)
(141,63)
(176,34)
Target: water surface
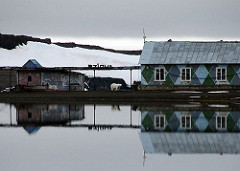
(108,137)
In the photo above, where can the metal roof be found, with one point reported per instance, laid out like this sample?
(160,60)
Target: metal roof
(32,63)
(187,143)
(185,52)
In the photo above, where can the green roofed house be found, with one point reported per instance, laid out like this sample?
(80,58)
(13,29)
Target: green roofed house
(190,63)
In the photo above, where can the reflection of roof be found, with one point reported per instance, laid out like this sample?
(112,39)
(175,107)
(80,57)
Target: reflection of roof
(180,143)
(32,63)
(31,130)
(182,52)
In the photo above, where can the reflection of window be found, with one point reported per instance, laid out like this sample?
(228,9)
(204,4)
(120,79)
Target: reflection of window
(29,78)
(186,74)
(221,74)
(159,121)
(159,74)
(221,121)
(186,121)
(29,115)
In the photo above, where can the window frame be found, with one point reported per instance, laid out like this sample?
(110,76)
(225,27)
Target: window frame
(160,117)
(185,74)
(221,116)
(221,72)
(185,116)
(155,74)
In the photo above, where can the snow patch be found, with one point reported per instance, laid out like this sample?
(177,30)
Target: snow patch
(50,55)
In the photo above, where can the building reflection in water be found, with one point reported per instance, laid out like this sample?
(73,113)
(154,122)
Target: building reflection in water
(179,131)
(32,116)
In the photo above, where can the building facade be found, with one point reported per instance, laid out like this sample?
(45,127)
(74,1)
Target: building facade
(190,63)
(8,78)
(32,74)
(32,114)
(194,121)
(181,131)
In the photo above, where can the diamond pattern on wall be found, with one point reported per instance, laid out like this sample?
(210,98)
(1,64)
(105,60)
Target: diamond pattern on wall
(235,80)
(230,73)
(168,67)
(147,122)
(208,114)
(208,81)
(208,67)
(236,68)
(201,74)
(174,73)
(147,73)
(200,121)
(195,68)
(174,122)
(168,115)
(195,80)
(230,123)
(168,81)
(212,72)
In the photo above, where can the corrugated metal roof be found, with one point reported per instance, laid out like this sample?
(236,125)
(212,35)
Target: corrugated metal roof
(182,143)
(190,52)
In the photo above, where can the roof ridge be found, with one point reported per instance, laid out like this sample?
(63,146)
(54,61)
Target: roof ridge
(221,41)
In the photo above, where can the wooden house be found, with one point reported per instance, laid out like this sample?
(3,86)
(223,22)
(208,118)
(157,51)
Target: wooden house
(37,114)
(7,77)
(36,77)
(175,63)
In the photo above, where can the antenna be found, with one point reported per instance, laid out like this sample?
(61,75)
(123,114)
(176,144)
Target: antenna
(144,36)
(144,157)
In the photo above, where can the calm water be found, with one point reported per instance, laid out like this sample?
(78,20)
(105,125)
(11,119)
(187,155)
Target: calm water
(119,137)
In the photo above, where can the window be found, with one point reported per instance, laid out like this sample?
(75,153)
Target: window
(159,74)
(185,121)
(221,121)
(29,115)
(221,74)
(186,74)
(29,78)
(159,121)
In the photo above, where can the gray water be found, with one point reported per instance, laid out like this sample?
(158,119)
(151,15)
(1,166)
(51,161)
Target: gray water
(77,137)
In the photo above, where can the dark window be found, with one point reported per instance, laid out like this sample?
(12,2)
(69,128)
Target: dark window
(221,74)
(159,121)
(186,121)
(29,78)
(186,74)
(29,115)
(159,74)
(221,122)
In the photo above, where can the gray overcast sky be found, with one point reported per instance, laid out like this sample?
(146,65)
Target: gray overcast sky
(112,19)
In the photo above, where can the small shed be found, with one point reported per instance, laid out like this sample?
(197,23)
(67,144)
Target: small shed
(35,114)
(36,77)
(190,63)
(7,78)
